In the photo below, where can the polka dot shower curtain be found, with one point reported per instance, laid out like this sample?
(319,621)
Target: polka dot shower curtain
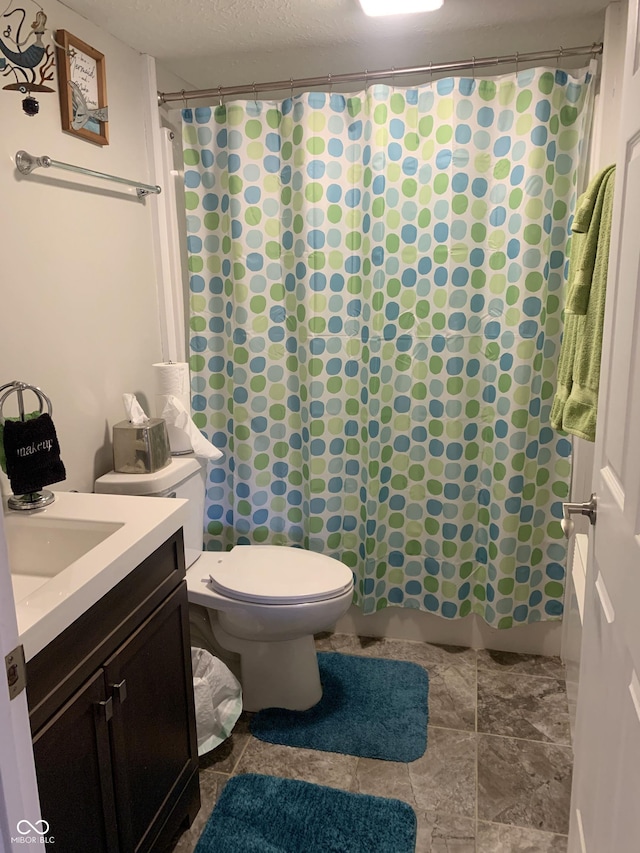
(376,310)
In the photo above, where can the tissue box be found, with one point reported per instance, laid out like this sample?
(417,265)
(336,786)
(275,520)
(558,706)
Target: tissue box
(140,448)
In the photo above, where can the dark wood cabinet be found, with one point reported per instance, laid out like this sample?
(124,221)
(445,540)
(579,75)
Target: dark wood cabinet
(113,720)
(73,760)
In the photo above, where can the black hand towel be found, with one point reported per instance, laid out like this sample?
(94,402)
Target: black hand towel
(33,454)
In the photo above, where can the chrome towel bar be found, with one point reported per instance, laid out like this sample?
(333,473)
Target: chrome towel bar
(26,163)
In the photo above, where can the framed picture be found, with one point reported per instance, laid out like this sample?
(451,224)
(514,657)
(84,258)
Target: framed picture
(82,88)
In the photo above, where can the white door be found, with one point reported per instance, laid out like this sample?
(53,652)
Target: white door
(20,816)
(605,809)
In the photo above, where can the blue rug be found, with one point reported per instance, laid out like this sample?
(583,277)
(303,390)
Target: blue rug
(370,707)
(266,814)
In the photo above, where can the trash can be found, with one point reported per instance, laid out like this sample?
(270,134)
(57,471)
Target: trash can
(218,699)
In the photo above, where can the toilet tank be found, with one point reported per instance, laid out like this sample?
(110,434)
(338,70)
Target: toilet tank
(184,477)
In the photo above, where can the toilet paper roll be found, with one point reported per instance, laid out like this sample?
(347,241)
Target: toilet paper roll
(172,380)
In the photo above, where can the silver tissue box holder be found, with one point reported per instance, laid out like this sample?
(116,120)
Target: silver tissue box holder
(140,448)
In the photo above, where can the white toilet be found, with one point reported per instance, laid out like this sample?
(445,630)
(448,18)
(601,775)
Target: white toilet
(262,602)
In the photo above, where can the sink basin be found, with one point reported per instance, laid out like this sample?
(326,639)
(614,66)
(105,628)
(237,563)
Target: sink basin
(65,557)
(41,547)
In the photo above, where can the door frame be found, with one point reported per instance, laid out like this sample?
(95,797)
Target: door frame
(18,785)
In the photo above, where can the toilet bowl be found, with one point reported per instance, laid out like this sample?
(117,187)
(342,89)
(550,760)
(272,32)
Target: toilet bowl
(262,603)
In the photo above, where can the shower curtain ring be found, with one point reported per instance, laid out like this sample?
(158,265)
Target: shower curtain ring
(473,67)
(220,103)
(517,60)
(431,75)
(255,97)
(559,56)
(330,85)
(184,99)
(366,79)
(291,82)
(393,78)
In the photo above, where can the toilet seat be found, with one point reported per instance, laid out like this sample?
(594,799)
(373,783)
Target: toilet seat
(278,574)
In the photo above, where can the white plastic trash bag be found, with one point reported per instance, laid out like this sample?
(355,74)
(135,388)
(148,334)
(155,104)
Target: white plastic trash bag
(218,699)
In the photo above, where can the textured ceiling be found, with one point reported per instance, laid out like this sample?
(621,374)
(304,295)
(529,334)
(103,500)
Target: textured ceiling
(179,32)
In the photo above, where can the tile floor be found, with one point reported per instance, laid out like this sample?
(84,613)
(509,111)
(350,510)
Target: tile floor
(496,776)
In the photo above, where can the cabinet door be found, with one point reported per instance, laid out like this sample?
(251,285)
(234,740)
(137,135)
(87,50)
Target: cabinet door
(73,766)
(154,747)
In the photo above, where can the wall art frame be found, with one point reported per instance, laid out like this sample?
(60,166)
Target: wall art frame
(82,86)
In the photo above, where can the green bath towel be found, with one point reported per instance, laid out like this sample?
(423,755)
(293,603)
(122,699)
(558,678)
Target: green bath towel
(575,405)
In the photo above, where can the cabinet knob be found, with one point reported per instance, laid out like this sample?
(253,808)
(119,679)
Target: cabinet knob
(120,690)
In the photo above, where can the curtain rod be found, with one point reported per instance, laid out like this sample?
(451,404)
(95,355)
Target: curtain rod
(329,79)
(26,163)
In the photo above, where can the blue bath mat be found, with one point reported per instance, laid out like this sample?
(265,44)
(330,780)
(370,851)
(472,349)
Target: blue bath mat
(265,814)
(370,707)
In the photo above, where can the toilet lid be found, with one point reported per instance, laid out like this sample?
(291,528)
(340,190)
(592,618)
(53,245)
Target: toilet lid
(279,574)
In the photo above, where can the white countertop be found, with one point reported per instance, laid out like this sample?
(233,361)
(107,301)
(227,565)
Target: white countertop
(145,523)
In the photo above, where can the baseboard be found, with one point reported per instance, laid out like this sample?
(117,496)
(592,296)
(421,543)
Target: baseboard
(539,638)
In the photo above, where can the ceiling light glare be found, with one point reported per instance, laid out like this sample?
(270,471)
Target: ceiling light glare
(375,8)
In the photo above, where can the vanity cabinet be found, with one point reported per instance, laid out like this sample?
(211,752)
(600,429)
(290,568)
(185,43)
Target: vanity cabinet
(112,717)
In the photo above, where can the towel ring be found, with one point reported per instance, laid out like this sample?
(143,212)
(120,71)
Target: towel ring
(19,388)
(35,500)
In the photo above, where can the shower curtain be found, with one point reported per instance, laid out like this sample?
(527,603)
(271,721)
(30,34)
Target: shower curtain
(376,310)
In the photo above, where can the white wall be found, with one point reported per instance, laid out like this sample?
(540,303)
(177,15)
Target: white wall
(79,314)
